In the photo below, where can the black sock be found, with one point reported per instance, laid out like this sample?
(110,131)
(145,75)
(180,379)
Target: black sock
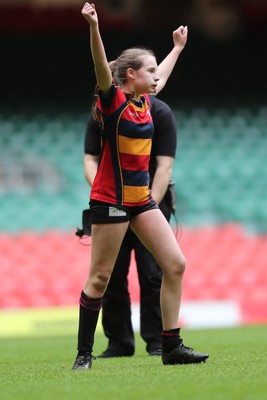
(170,339)
(89,311)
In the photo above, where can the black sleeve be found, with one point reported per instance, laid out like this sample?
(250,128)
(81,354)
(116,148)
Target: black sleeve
(92,139)
(165,130)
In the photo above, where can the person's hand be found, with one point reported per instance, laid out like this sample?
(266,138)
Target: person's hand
(180,37)
(90,14)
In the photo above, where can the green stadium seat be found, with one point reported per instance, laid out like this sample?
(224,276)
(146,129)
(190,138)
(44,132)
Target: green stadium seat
(220,168)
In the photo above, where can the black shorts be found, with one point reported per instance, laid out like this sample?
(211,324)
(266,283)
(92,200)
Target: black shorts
(105,213)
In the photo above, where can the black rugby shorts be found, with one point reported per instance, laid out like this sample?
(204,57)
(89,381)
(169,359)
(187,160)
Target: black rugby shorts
(105,213)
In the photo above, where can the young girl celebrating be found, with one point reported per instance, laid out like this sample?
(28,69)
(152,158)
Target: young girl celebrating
(120,195)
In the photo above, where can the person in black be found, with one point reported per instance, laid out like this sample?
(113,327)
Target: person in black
(116,312)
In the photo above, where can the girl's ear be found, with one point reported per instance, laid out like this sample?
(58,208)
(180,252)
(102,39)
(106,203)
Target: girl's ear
(130,73)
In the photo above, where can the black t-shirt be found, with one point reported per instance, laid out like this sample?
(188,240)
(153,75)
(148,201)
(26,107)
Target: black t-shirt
(164,139)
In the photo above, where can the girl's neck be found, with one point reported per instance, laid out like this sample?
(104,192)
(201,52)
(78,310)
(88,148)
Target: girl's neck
(136,98)
(129,90)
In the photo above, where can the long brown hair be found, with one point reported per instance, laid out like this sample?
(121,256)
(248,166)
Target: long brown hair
(96,115)
(129,58)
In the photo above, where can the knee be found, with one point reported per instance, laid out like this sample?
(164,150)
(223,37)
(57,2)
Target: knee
(100,279)
(181,265)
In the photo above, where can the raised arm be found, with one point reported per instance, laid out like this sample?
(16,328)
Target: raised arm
(166,66)
(102,70)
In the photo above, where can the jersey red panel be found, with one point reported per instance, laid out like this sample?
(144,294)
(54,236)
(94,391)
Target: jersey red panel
(122,177)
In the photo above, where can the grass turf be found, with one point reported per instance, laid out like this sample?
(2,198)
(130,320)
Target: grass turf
(40,368)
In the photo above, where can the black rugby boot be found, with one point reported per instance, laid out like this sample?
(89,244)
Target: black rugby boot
(183,355)
(83,361)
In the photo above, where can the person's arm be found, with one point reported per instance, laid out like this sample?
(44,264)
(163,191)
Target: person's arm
(161,177)
(92,149)
(102,70)
(90,164)
(166,66)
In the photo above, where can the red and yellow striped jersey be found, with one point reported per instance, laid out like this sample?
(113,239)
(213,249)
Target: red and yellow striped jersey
(122,177)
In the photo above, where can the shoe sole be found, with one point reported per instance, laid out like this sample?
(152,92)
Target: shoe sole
(115,356)
(188,361)
(80,368)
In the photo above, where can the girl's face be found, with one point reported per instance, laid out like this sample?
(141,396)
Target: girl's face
(145,79)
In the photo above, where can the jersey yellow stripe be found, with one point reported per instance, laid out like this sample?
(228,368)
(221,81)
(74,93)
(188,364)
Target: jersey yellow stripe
(134,146)
(135,194)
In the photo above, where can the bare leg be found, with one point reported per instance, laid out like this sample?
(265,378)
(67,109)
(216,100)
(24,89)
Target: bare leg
(156,234)
(106,242)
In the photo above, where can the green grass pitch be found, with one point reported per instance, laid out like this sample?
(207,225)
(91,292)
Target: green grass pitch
(40,368)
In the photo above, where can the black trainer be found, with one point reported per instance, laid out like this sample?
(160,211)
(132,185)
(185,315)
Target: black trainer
(154,348)
(183,355)
(155,352)
(116,352)
(83,361)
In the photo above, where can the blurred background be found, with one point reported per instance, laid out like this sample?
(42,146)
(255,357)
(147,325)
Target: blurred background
(218,94)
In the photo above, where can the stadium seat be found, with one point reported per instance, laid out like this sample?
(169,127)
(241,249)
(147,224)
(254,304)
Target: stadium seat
(220,173)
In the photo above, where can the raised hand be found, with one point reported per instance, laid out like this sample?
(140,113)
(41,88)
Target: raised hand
(180,37)
(90,14)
